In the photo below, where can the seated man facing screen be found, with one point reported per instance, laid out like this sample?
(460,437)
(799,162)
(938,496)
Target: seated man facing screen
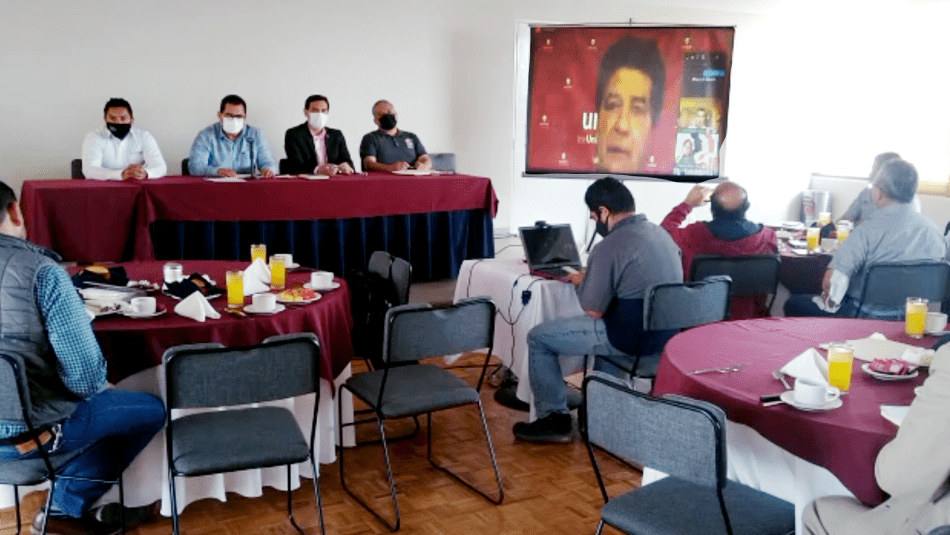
(120,151)
(729,233)
(634,255)
(231,147)
(390,149)
(894,233)
(311,147)
(44,323)
(863,205)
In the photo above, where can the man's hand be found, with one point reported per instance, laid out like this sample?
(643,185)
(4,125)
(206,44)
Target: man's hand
(134,172)
(267,172)
(697,196)
(227,172)
(328,169)
(345,169)
(397,166)
(576,278)
(826,285)
(423,164)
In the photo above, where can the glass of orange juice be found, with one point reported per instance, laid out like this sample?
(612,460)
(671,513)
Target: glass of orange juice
(235,283)
(840,362)
(842,231)
(813,234)
(259,250)
(278,272)
(915,316)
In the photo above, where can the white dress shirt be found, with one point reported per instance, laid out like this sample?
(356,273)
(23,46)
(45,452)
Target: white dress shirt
(105,156)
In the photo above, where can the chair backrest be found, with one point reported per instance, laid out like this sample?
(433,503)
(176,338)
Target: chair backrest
(889,284)
(942,530)
(184,167)
(443,161)
(682,437)
(751,275)
(414,332)
(14,395)
(392,268)
(206,376)
(283,166)
(75,167)
(683,305)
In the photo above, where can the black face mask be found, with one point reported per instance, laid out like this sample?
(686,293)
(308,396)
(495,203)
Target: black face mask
(388,121)
(601,228)
(119,130)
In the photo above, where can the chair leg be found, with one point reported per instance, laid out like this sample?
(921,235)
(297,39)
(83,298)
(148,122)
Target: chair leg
(389,474)
(491,451)
(600,528)
(290,504)
(174,504)
(46,506)
(316,491)
(593,462)
(121,503)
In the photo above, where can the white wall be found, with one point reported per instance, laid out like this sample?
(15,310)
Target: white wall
(813,88)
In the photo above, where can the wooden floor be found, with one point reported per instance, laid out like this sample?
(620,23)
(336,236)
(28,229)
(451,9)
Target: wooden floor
(548,488)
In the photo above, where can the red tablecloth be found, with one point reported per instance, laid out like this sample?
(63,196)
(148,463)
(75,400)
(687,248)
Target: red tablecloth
(133,345)
(846,441)
(88,220)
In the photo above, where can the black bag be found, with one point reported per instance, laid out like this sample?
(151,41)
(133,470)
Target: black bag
(372,296)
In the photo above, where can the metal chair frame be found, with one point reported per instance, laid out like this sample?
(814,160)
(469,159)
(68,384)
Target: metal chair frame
(941,291)
(765,266)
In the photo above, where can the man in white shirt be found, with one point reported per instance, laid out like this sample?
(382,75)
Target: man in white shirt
(119,151)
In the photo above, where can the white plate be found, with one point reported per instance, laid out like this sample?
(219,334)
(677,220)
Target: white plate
(333,286)
(788,397)
(130,314)
(173,296)
(887,376)
(415,172)
(936,333)
(250,309)
(304,302)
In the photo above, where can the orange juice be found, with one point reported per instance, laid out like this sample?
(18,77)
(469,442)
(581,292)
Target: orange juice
(278,272)
(840,362)
(843,231)
(916,316)
(824,218)
(813,235)
(235,283)
(259,250)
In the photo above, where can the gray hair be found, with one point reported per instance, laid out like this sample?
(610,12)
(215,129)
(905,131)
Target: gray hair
(898,180)
(881,159)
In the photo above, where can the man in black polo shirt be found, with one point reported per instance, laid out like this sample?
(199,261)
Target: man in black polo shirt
(390,149)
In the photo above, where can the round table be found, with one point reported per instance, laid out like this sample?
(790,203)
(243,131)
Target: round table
(845,441)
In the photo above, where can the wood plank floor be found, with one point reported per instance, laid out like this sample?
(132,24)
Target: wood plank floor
(548,488)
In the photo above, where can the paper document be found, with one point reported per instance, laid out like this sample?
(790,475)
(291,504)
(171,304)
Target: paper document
(894,413)
(238,178)
(412,172)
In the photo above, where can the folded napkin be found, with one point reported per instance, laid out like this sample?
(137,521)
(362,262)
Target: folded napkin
(839,286)
(196,282)
(877,346)
(809,365)
(105,275)
(196,307)
(256,278)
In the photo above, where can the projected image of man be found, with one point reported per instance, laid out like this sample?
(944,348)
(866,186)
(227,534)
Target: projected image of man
(629,102)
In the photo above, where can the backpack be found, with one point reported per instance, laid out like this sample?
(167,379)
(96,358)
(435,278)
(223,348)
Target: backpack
(372,297)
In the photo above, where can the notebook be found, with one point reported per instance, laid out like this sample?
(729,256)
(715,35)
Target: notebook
(549,250)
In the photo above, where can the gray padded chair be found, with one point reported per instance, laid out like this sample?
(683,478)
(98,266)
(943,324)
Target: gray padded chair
(443,161)
(16,407)
(887,285)
(686,439)
(751,275)
(75,167)
(392,268)
(211,375)
(414,332)
(942,530)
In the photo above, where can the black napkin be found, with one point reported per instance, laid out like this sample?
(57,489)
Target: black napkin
(116,277)
(196,282)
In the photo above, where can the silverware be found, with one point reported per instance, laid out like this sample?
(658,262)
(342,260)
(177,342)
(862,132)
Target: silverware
(781,377)
(721,369)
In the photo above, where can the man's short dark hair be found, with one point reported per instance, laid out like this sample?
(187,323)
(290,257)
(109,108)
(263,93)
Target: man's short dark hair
(637,54)
(7,198)
(316,98)
(233,100)
(610,193)
(117,103)
(898,180)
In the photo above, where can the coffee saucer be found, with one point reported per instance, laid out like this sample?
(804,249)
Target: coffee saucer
(133,315)
(788,397)
(250,309)
(887,376)
(333,286)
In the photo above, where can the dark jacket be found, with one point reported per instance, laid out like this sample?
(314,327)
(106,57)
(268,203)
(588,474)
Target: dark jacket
(302,155)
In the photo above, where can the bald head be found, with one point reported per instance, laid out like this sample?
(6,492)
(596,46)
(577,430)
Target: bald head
(729,201)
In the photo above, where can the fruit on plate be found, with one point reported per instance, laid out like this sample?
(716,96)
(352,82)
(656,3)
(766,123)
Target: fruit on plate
(297,294)
(892,366)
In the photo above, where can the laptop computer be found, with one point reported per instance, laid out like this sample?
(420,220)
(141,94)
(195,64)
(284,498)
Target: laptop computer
(549,250)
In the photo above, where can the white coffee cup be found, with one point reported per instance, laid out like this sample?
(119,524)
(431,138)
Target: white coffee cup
(813,394)
(936,322)
(264,302)
(143,306)
(288,259)
(321,279)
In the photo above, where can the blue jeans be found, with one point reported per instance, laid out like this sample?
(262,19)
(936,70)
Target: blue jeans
(123,421)
(579,335)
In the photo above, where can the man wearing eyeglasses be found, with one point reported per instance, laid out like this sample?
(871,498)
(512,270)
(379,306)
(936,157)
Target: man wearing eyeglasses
(231,147)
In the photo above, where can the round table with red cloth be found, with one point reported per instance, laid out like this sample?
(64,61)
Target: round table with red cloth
(845,441)
(132,345)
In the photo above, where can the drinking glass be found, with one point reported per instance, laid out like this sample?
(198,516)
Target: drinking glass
(824,218)
(278,272)
(259,250)
(813,234)
(916,316)
(235,283)
(840,362)
(843,230)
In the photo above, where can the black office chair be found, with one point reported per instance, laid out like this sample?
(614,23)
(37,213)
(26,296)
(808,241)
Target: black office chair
(184,167)
(443,161)
(284,166)
(686,439)
(752,276)
(75,167)
(211,375)
(887,285)
(394,269)
(16,406)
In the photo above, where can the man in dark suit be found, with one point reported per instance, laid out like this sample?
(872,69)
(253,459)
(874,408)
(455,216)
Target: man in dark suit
(312,148)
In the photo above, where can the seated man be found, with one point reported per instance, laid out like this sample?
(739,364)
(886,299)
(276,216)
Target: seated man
(894,233)
(44,322)
(913,468)
(311,147)
(390,149)
(633,255)
(863,206)
(729,233)
(229,147)
(120,151)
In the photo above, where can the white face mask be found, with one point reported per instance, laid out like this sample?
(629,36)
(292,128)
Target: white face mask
(318,120)
(232,125)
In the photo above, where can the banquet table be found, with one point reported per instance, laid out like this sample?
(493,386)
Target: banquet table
(843,441)
(435,221)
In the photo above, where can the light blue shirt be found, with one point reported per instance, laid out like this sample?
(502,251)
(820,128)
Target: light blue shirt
(212,151)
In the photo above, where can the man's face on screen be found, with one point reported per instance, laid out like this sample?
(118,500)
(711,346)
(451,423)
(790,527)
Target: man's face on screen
(625,122)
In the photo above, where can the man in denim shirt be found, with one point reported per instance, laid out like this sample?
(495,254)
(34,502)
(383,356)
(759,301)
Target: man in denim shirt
(230,146)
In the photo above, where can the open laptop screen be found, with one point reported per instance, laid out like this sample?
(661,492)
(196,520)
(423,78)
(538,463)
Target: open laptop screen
(550,246)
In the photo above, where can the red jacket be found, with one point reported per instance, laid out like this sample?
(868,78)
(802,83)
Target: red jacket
(695,239)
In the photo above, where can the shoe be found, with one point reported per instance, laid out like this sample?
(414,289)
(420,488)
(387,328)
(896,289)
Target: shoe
(85,525)
(111,514)
(554,428)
